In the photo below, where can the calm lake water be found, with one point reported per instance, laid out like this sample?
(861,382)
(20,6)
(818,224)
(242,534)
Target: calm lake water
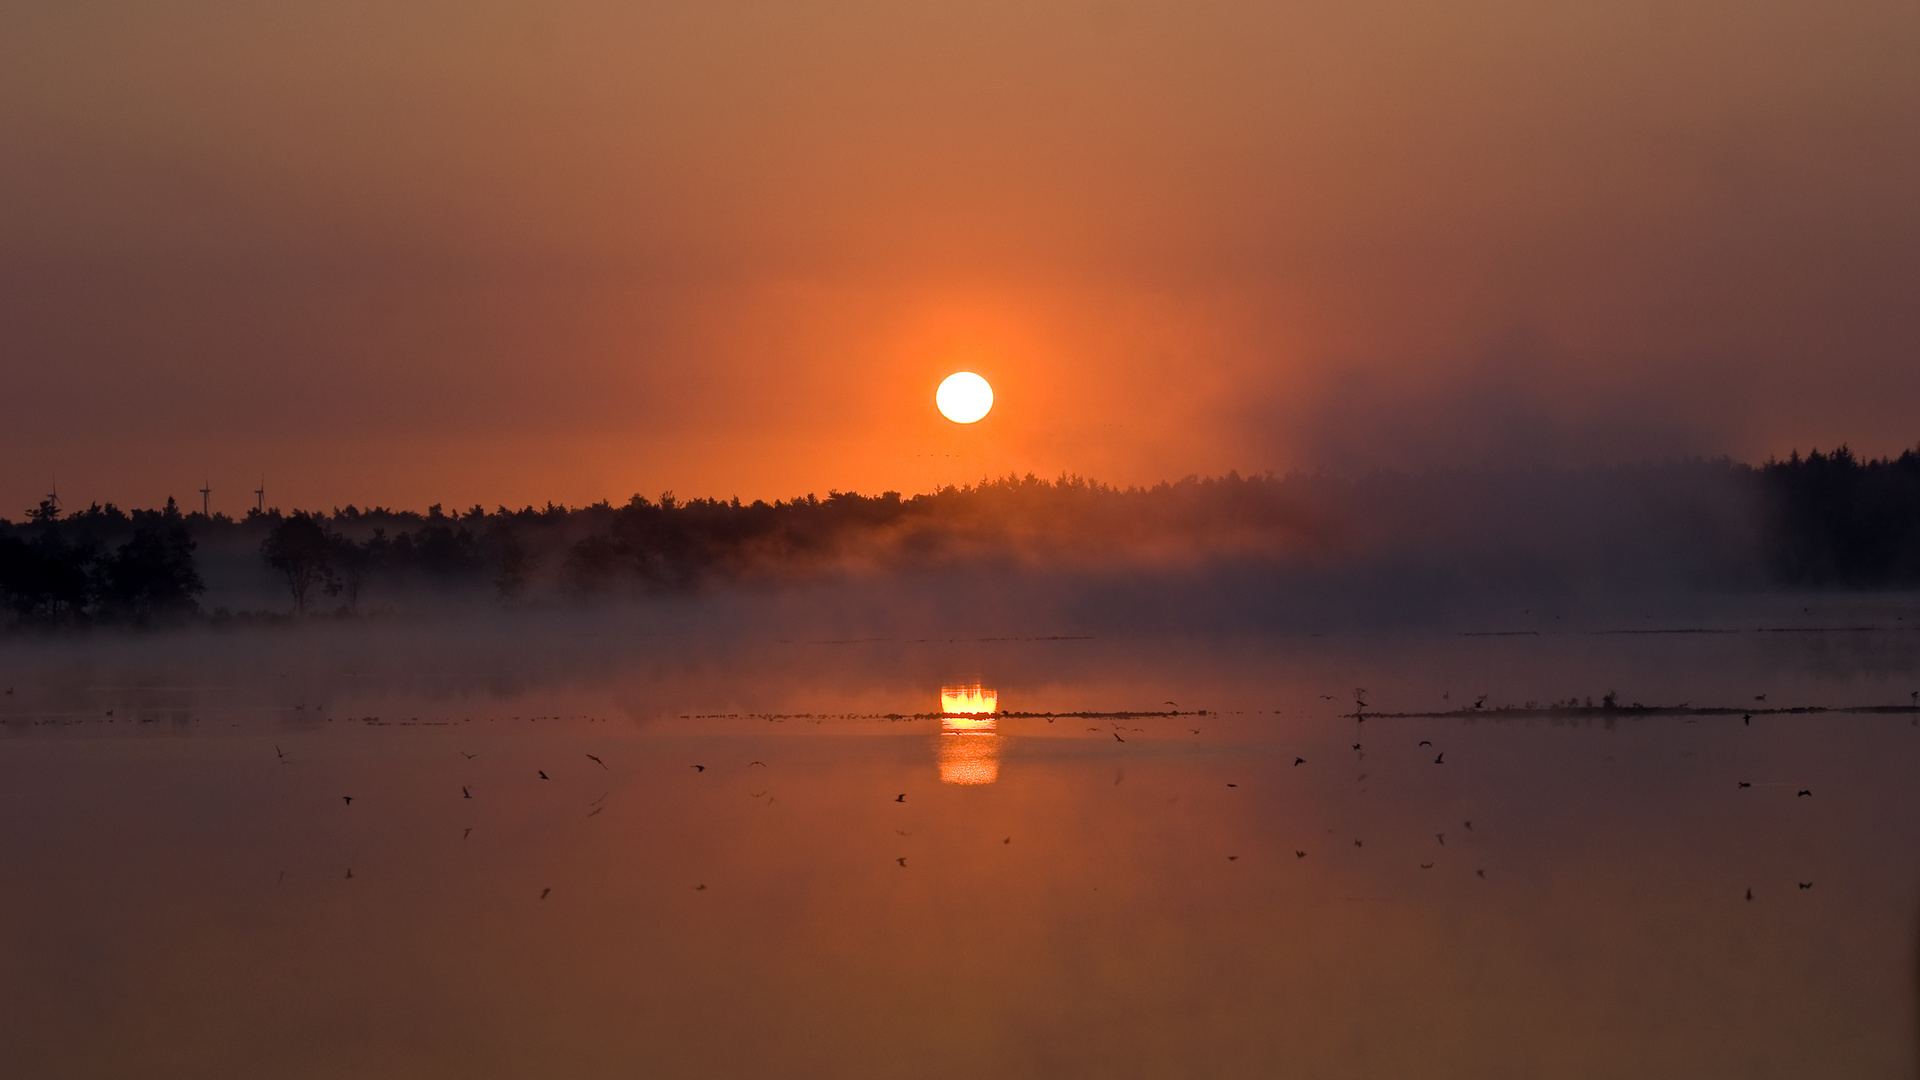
(781,864)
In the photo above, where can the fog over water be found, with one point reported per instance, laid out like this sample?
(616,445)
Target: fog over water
(1120,893)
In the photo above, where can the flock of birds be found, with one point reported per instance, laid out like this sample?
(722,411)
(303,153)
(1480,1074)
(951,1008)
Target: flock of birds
(1359,714)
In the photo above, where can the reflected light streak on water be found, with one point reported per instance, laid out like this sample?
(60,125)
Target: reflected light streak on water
(969,746)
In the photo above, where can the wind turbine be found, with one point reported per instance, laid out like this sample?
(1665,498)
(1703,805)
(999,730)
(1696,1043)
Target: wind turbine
(260,496)
(206,496)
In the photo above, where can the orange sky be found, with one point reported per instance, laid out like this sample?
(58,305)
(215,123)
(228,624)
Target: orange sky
(409,252)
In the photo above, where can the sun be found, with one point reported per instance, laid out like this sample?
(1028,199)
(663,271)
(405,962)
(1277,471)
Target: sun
(964,397)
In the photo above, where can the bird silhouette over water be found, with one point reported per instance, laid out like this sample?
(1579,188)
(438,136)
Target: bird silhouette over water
(596,761)
(468,756)
(1806,884)
(1175,704)
(1482,873)
(464,793)
(1747,719)
(1468,824)
(1232,858)
(542,772)
(1442,837)
(1117,738)
(1744,783)
(1441,758)
(1759,697)
(1008,840)
(1299,854)
(902,861)
(1426,866)
(1299,761)
(349,873)
(762,764)
(1356,746)
(1749,894)
(699,768)
(902,797)
(1425,742)
(277,752)
(1803,791)
(466,834)
(348,798)
(544,892)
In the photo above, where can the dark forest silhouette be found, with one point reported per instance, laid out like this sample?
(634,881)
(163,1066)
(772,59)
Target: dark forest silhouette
(1823,520)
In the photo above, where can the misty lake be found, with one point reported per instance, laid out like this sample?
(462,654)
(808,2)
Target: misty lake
(619,846)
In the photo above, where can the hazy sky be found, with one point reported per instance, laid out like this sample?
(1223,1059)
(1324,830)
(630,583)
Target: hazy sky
(403,252)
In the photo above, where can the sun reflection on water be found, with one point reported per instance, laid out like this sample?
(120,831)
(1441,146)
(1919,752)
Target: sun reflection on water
(970,700)
(969,746)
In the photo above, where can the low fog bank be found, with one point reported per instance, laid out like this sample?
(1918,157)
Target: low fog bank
(1019,555)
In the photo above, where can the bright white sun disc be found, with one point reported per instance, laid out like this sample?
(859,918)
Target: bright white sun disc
(964,397)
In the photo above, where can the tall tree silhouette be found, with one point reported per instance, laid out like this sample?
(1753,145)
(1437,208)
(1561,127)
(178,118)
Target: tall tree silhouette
(152,576)
(300,548)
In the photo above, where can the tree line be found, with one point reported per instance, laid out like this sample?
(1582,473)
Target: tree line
(1821,520)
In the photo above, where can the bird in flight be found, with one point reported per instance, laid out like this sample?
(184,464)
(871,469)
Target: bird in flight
(464,793)
(596,761)
(1806,884)
(1233,785)
(762,764)
(1299,854)
(1299,761)
(1424,742)
(468,756)
(1759,697)
(1426,866)
(902,860)
(1175,704)
(349,799)
(1117,738)
(466,834)
(1469,825)
(1441,758)
(1749,894)
(699,888)
(902,797)
(349,873)
(542,772)
(544,892)
(1442,837)
(699,768)
(1743,783)
(1008,840)
(1803,791)
(277,752)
